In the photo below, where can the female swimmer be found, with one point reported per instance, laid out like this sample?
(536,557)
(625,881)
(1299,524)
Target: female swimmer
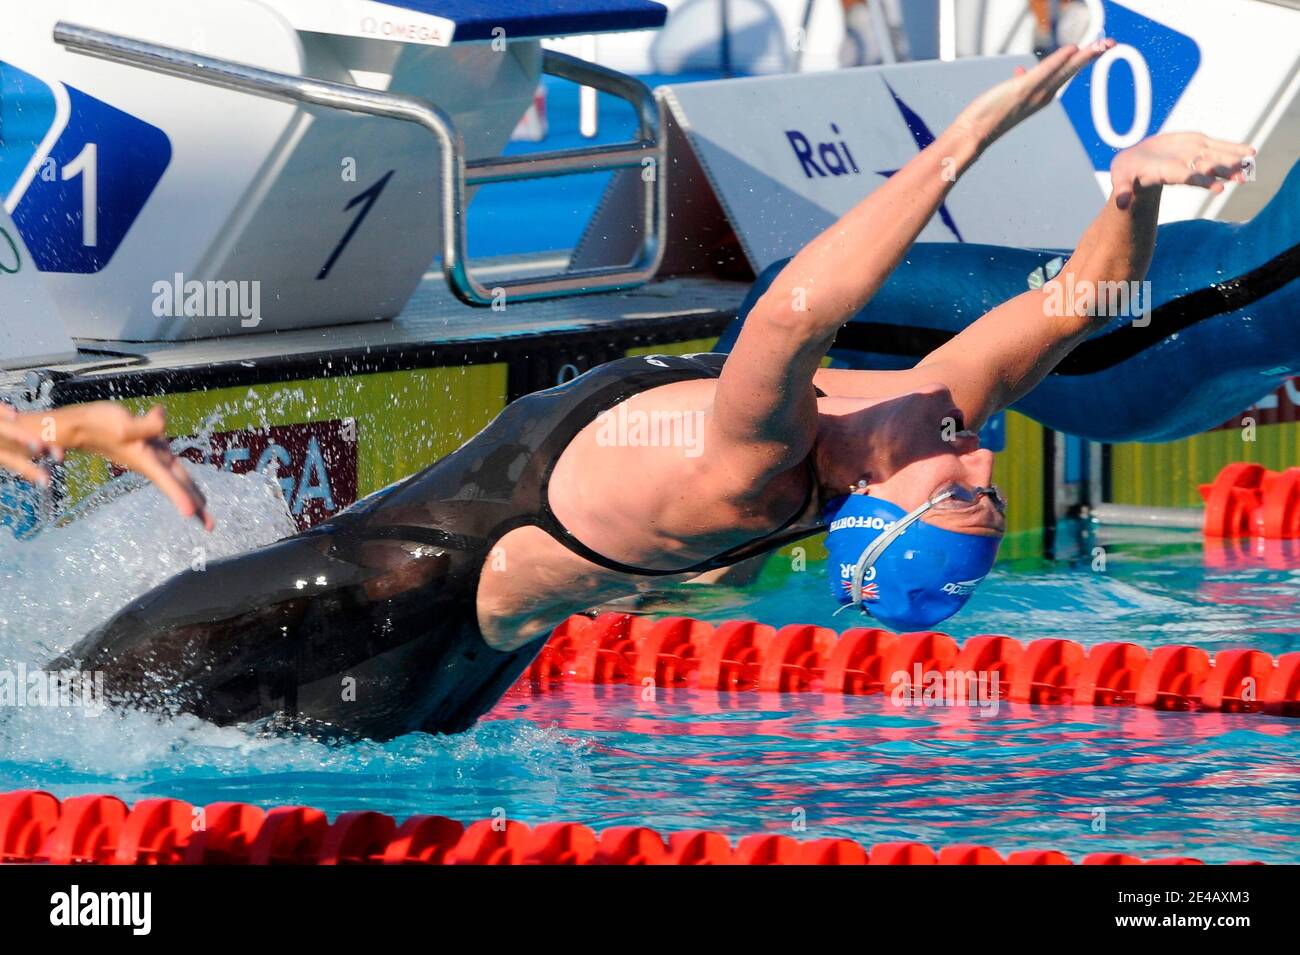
(420,605)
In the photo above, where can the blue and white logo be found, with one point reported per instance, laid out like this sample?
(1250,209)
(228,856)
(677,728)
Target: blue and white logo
(923,137)
(1129,92)
(75,172)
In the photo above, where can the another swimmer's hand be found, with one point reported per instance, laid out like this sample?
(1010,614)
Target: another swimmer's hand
(137,444)
(21,446)
(1012,102)
(1178,159)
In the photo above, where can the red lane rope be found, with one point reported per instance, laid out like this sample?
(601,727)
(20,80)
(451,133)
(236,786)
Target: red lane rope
(743,655)
(1248,500)
(35,827)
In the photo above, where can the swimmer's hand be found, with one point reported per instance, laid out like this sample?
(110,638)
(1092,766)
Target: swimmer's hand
(1010,103)
(1178,159)
(21,446)
(107,429)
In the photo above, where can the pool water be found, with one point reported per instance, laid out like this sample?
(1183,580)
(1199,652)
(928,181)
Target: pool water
(1146,588)
(1077,779)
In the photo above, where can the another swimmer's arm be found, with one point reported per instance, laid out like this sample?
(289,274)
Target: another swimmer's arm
(135,443)
(20,447)
(1003,355)
(765,404)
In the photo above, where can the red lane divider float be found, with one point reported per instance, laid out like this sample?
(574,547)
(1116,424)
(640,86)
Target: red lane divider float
(1248,500)
(101,830)
(742,655)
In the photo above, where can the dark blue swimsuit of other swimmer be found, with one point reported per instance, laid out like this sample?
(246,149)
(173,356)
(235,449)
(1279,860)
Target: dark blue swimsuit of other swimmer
(1223,330)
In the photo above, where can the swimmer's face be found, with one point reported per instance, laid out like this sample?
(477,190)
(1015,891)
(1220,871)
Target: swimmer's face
(908,447)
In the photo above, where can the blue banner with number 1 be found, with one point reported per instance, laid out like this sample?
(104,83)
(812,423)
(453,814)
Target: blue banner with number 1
(92,183)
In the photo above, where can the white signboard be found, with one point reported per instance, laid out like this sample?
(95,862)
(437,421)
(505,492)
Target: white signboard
(159,208)
(788,155)
(31,331)
(1227,69)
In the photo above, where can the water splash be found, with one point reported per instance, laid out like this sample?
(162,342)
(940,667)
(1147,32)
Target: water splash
(75,574)
(126,538)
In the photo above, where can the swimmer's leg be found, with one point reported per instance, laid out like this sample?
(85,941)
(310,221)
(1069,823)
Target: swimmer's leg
(215,642)
(373,638)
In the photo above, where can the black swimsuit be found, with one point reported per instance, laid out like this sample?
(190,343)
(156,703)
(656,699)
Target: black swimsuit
(325,629)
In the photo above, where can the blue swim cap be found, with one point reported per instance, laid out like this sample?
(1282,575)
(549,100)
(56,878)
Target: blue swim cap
(924,576)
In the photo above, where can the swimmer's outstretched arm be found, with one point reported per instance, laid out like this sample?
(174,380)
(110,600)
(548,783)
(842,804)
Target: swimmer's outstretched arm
(1002,356)
(765,410)
(135,443)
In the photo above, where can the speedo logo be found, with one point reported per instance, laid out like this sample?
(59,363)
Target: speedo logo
(962,588)
(866,523)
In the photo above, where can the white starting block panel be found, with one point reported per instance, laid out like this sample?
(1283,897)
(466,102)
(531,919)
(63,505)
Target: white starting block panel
(1226,68)
(159,208)
(439,22)
(31,330)
(788,155)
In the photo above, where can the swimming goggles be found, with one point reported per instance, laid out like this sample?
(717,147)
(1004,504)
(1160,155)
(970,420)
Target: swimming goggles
(949,497)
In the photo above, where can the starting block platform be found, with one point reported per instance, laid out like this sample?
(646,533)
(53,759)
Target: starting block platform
(554,340)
